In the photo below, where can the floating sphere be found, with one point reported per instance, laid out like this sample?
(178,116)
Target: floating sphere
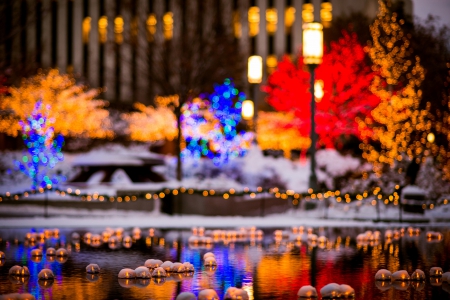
(347,291)
(401,285)
(208,254)
(418,285)
(61,259)
(418,275)
(142,272)
(383,285)
(177,277)
(436,272)
(446,277)
(50,251)
(92,277)
(188,267)
(93,269)
(61,252)
(19,271)
(167,265)
(210,261)
(75,236)
(142,282)
(331,290)
(307,291)
(18,279)
(388,234)
(383,274)
(127,282)
(235,293)
(159,272)
(436,280)
(127,242)
(159,280)
(46,274)
(401,275)
(153,263)
(186,296)
(127,273)
(210,270)
(113,243)
(36,252)
(178,268)
(2,255)
(36,259)
(208,294)
(45,283)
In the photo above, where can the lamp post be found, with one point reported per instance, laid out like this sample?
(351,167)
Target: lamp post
(254,75)
(312,57)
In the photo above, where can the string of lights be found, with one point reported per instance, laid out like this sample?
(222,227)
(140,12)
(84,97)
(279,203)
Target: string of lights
(376,194)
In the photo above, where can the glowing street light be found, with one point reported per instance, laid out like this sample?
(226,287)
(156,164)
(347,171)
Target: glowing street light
(430,137)
(312,57)
(248,110)
(255,69)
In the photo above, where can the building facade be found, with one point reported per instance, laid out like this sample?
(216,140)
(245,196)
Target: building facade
(103,41)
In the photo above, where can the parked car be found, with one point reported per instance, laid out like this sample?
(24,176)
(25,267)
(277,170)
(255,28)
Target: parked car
(414,199)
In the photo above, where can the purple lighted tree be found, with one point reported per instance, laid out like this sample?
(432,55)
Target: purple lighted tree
(44,148)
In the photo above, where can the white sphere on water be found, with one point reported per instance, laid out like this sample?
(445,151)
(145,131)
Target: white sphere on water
(418,285)
(383,274)
(75,236)
(208,294)
(142,282)
(186,296)
(153,263)
(46,274)
(235,293)
(50,251)
(307,291)
(19,271)
(436,272)
(2,255)
(36,252)
(127,273)
(210,261)
(383,285)
(401,285)
(418,275)
(208,254)
(331,290)
(188,267)
(93,269)
(142,272)
(127,282)
(401,275)
(347,291)
(61,252)
(159,272)
(388,234)
(322,239)
(167,265)
(178,268)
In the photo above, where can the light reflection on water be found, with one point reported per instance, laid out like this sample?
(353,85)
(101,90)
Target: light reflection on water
(265,269)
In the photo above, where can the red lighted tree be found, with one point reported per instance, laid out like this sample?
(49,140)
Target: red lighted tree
(346,100)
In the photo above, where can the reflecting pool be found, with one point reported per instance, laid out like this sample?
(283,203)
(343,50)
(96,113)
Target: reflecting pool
(268,263)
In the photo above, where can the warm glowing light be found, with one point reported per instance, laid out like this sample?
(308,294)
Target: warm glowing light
(326,15)
(312,43)
(289,18)
(118,29)
(430,137)
(237,27)
(308,13)
(151,27)
(102,29)
(86,26)
(318,90)
(247,109)
(254,69)
(168,25)
(272,63)
(253,21)
(271,20)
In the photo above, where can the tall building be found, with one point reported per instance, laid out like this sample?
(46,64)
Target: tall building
(103,41)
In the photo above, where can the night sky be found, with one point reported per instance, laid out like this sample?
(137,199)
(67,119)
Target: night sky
(441,8)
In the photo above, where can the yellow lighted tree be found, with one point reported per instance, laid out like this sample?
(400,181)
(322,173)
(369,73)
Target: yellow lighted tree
(151,124)
(73,108)
(279,131)
(397,84)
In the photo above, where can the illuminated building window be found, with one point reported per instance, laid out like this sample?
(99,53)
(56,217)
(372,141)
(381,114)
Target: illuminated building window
(253,21)
(102,29)
(168,25)
(289,19)
(86,29)
(134,30)
(151,27)
(118,29)
(326,15)
(237,28)
(272,20)
(308,12)
(271,63)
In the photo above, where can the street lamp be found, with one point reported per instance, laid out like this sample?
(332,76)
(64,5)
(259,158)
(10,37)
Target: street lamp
(312,57)
(254,75)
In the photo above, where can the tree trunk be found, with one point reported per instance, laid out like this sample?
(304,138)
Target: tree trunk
(178,143)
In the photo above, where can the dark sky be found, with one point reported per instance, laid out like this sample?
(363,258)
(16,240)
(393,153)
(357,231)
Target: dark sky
(441,8)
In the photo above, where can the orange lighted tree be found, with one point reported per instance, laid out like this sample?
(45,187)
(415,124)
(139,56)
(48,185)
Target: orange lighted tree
(397,84)
(74,109)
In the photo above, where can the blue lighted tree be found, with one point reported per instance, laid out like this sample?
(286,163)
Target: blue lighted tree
(210,125)
(44,148)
